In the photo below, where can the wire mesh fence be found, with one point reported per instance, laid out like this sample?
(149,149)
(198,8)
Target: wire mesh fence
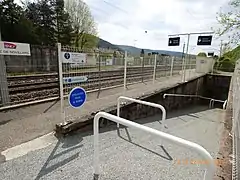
(36,77)
(139,69)
(29,78)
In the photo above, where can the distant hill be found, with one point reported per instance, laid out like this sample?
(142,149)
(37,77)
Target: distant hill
(107,45)
(136,51)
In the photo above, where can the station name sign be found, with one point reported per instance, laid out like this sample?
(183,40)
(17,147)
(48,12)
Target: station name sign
(14,49)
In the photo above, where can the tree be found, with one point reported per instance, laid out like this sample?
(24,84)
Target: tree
(230,21)
(202,54)
(63,24)
(215,57)
(14,26)
(226,48)
(42,15)
(82,21)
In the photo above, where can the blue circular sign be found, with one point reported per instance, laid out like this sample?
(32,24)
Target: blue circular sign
(67,55)
(77,97)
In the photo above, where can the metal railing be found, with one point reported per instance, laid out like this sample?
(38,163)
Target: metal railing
(144,103)
(211,103)
(216,100)
(176,140)
(225,104)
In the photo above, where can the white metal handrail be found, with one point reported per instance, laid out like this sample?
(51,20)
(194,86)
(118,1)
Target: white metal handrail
(144,103)
(225,104)
(213,100)
(176,140)
(211,103)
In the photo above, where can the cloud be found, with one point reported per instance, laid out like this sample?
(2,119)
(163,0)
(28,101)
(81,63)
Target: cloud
(122,22)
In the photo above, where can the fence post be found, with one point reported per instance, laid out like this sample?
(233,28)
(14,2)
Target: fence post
(60,76)
(172,66)
(125,70)
(99,72)
(4,93)
(155,66)
(142,67)
(189,67)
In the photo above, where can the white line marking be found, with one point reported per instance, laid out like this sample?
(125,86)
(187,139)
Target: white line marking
(35,144)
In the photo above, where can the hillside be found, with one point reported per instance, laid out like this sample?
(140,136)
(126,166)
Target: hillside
(233,55)
(105,44)
(136,51)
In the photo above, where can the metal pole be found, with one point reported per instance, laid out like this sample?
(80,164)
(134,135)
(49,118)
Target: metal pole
(125,71)
(172,66)
(4,93)
(99,72)
(144,103)
(183,59)
(189,66)
(184,73)
(191,33)
(155,66)
(60,76)
(142,67)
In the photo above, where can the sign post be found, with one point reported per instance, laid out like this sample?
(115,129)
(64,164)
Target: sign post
(125,71)
(172,62)
(4,94)
(60,76)
(12,49)
(155,67)
(202,40)
(77,97)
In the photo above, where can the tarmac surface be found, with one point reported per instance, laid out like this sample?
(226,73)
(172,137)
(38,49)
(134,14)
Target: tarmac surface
(125,154)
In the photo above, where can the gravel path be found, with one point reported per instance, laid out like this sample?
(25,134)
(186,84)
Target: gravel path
(145,157)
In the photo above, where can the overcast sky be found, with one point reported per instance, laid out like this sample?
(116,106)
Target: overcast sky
(124,21)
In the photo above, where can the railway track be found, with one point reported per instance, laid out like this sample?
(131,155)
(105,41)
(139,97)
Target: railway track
(37,87)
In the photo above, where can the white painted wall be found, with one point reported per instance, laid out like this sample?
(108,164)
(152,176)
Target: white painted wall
(204,64)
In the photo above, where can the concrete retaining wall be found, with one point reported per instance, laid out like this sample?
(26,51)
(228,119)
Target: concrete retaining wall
(132,111)
(216,86)
(136,111)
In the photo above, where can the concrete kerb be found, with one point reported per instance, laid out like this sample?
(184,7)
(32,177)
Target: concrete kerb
(85,121)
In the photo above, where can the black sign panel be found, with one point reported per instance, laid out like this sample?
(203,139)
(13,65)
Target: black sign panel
(211,54)
(204,40)
(174,41)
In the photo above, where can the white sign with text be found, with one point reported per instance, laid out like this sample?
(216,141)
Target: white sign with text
(72,57)
(14,49)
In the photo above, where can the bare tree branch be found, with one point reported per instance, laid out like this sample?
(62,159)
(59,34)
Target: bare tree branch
(230,21)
